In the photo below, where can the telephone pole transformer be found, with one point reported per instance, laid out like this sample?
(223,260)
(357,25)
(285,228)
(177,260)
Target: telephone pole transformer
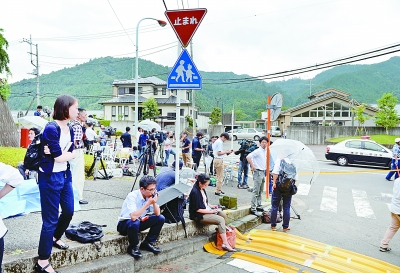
(36,70)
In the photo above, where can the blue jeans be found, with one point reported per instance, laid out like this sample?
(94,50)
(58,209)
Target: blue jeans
(132,229)
(167,153)
(55,190)
(243,167)
(391,173)
(276,198)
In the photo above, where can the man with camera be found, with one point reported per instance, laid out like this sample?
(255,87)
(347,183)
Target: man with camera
(139,212)
(103,136)
(219,154)
(197,150)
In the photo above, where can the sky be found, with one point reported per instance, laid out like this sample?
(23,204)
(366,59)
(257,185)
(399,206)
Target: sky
(253,37)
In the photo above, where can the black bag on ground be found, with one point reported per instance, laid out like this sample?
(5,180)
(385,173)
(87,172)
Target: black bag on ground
(32,157)
(266,217)
(85,232)
(173,211)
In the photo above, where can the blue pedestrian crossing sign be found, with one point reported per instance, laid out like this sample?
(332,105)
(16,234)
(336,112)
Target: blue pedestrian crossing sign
(184,74)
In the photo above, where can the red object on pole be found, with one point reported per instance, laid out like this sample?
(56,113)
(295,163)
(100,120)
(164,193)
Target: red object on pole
(24,141)
(185,23)
(268,152)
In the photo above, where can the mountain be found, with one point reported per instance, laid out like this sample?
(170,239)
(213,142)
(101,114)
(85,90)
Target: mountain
(91,83)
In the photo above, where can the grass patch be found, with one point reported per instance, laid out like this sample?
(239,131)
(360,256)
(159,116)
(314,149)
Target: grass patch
(381,139)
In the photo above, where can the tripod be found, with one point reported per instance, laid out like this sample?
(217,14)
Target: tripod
(145,159)
(95,165)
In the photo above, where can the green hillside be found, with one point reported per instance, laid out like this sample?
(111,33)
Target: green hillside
(91,83)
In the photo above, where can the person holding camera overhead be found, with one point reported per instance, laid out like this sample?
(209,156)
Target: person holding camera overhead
(203,212)
(139,212)
(197,150)
(168,148)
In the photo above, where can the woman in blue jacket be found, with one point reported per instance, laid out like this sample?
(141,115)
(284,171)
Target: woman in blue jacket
(55,181)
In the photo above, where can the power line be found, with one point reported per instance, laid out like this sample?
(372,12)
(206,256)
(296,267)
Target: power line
(121,24)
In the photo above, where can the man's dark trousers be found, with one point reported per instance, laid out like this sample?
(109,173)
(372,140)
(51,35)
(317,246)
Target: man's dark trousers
(132,229)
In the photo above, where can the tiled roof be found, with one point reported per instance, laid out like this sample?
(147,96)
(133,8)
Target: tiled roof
(147,80)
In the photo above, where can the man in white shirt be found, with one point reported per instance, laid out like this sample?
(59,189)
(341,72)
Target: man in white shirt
(395,213)
(219,155)
(90,133)
(257,161)
(135,217)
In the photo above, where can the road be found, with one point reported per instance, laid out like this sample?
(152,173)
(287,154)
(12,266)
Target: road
(346,207)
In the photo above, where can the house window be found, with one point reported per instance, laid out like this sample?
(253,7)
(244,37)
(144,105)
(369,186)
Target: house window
(126,90)
(155,91)
(113,110)
(182,112)
(171,115)
(121,90)
(187,95)
(126,111)
(132,90)
(164,91)
(119,111)
(160,112)
(190,112)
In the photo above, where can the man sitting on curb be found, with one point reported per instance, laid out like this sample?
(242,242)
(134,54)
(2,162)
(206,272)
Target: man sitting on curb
(139,212)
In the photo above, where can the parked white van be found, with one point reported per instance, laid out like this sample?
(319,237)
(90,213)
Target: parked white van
(276,131)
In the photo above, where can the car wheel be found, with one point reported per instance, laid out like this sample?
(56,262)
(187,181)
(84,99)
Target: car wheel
(256,138)
(234,137)
(342,161)
(389,164)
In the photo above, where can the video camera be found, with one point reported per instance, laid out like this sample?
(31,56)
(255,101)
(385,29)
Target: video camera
(47,110)
(109,131)
(248,145)
(161,137)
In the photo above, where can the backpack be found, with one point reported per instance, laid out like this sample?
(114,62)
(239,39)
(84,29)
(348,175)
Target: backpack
(266,217)
(173,211)
(85,232)
(285,181)
(32,157)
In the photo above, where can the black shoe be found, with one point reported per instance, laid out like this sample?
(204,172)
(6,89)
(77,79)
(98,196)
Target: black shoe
(83,202)
(134,252)
(256,213)
(39,269)
(239,186)
(150,247)
(219,193)
(260,209)
(384,249)
(63,247)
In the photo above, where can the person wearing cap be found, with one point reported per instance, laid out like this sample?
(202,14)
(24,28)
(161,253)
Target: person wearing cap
(395,162)
(167,178)
(219,155)
(197,150)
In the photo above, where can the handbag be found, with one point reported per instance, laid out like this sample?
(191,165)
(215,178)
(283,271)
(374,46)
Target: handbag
(266,217)
(228,202)
(230,236)
(293,189)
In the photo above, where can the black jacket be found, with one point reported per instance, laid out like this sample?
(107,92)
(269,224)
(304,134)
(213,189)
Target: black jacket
(196,202)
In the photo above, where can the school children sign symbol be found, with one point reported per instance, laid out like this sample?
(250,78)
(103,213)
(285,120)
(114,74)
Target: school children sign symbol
(185,23)
(184,74)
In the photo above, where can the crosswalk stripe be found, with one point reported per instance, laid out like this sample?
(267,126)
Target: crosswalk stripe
(303,189)
(361,204)
(329,199)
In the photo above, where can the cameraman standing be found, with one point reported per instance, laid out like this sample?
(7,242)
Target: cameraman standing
(168,148)
(197,150)
(243,167)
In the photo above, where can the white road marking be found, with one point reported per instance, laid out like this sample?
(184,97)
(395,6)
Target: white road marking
(329,199)
(303,189)
(361,204)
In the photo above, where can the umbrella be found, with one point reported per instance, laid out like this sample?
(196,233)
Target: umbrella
(33,121)
(148,125)
(171,193)
(301,156)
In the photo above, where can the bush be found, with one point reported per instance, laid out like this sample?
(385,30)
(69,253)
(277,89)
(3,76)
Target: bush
(118,133)
(105,122)
(11,155)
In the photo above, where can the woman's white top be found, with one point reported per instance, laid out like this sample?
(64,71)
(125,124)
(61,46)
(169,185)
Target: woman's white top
(65,138)
(12,177)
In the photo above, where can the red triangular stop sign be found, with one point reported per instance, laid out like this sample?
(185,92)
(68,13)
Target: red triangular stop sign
(185,22)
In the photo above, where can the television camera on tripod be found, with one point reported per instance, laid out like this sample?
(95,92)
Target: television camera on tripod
(146,160)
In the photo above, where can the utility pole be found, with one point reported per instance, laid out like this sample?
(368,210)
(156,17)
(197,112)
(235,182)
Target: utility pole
(36,70)
(310,84)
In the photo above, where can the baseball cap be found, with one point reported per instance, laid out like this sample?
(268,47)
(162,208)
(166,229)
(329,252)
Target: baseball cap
(397,140)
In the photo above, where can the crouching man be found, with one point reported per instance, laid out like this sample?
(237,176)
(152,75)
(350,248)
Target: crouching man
(140,212)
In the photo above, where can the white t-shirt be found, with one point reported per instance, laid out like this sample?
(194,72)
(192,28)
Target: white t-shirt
(64,140)
(90,134)
(395,205)
(218,146)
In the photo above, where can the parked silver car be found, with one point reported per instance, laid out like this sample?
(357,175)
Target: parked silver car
(248,133)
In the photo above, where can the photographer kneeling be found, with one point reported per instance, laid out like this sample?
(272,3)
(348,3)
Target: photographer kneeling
(204,213)
(139,212)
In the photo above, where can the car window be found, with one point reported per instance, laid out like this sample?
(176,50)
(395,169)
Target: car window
(356,144)
(242,131)
(252,131)
(372,146)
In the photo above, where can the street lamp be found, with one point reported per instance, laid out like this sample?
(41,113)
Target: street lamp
(163,24)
